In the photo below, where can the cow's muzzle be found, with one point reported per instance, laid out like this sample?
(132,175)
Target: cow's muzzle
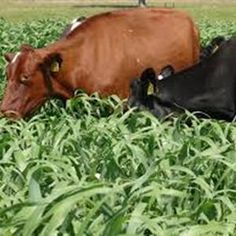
(12,114)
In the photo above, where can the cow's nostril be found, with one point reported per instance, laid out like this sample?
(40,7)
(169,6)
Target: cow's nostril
(12,114)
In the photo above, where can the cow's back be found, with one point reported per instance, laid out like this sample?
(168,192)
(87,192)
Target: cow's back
(116,47)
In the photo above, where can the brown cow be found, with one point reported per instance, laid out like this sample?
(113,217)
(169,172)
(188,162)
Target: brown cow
(103,54)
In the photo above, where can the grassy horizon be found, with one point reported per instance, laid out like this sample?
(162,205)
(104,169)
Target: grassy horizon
(27,11)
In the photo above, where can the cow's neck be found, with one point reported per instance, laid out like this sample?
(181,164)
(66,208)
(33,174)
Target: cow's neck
(73,72)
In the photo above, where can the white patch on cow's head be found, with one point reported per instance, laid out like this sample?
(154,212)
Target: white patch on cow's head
(160,77)
(15,57)
(75,25)
(74,21)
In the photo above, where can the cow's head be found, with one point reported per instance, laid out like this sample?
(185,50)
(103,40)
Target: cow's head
(139,88)
(30,82)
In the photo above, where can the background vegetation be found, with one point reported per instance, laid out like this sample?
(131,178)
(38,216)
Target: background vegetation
(26,10)
(89,169)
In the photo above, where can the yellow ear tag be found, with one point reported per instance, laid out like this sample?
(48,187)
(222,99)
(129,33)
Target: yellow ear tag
(55,67)
(215,49)
(150,89)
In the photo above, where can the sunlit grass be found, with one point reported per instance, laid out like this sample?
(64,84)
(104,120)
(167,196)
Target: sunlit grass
(80,170)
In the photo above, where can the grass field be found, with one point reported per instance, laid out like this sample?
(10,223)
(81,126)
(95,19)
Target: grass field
(16,11)
(88,169)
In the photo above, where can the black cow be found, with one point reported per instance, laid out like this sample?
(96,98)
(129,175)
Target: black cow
(208,87)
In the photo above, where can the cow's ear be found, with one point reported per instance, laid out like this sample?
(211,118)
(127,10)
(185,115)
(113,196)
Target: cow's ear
(148,74)
(166,72)
(9,56)
(53,63)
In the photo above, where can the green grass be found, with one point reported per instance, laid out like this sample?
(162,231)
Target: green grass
(22,12)
(26,11)
(88,169)
(212,13)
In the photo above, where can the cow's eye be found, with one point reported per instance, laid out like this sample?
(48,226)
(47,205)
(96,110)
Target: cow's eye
(24,78)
